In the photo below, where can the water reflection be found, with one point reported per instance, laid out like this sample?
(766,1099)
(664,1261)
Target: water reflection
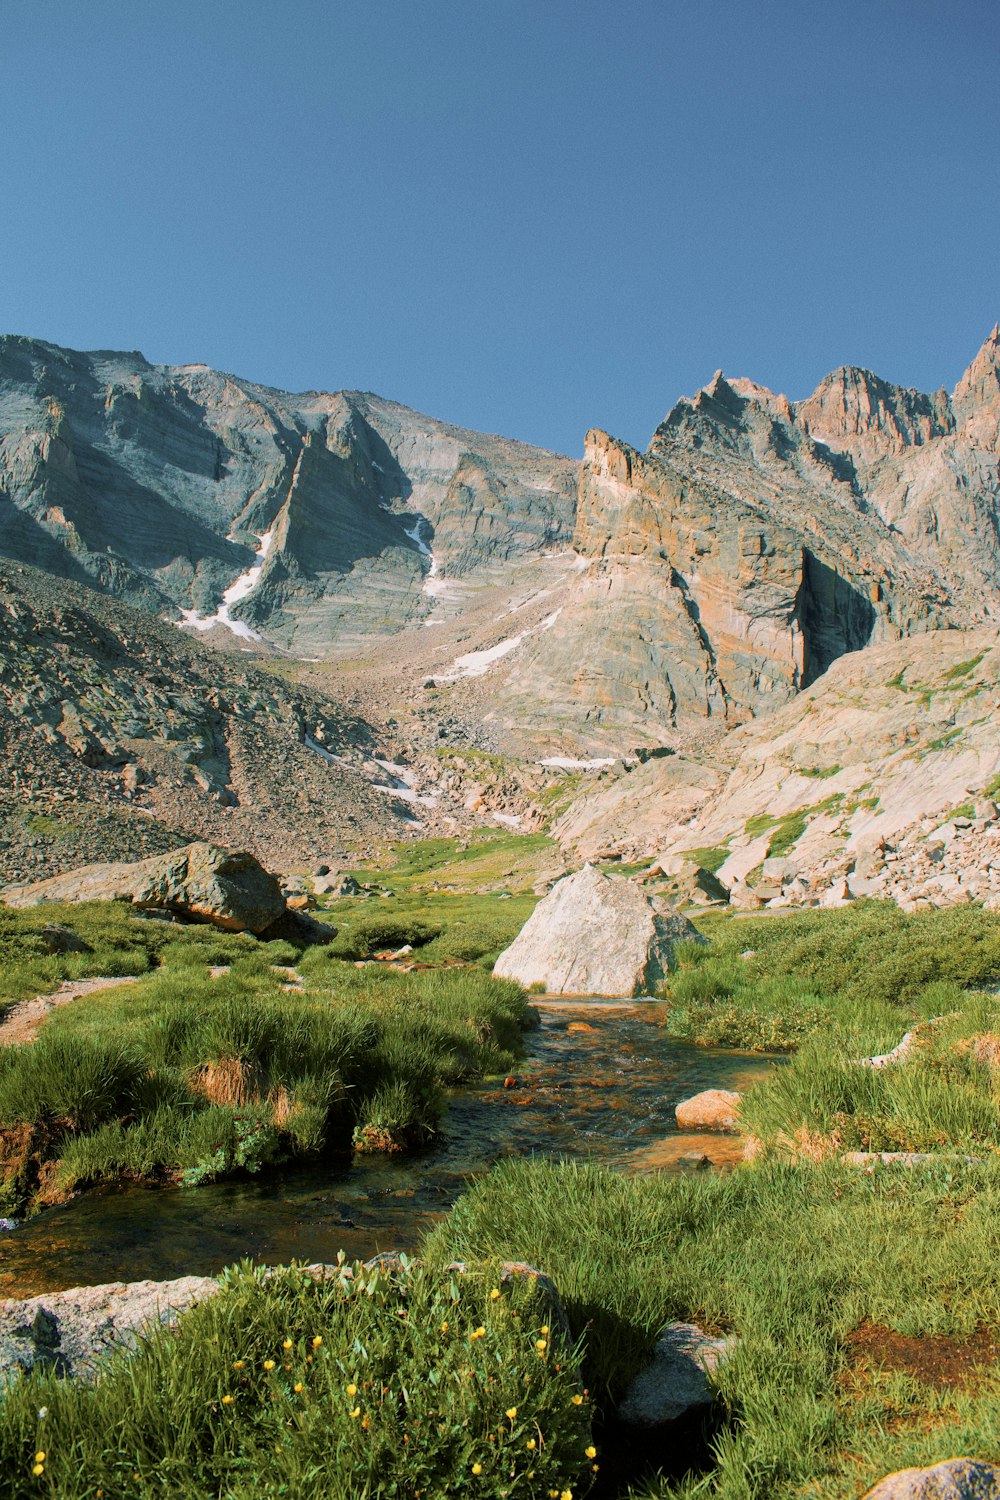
(599,1081)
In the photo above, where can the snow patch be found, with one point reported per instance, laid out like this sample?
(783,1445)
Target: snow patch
(475,663)
(565,763)
(237,590)
(328,755)
(509,820)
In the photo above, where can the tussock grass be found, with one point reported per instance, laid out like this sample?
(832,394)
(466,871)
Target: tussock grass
(790,1259)
(382,1382)
(193,1078)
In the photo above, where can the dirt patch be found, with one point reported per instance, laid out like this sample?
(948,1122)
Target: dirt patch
(937,1359)
(22,1021)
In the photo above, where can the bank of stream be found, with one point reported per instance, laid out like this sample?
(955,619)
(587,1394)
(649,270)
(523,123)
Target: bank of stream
(598,1081)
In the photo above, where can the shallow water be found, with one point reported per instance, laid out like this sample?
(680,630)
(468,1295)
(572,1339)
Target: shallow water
(599,1081)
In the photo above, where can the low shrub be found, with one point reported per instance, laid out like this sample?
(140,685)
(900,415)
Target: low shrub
(387,1381)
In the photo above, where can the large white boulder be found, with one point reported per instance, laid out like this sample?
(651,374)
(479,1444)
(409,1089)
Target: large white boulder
(595,934)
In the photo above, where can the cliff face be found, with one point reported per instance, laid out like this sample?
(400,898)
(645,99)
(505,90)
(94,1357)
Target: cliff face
(710,578)
(157,483)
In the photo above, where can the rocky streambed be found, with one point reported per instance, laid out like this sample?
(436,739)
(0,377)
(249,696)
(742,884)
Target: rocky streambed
(600,1080)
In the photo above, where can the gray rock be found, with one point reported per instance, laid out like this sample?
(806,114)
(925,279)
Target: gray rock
(70,1332)
(59,939)
(6,1225)
(677,1380)
(595,934)
(955,1479)
(202,881)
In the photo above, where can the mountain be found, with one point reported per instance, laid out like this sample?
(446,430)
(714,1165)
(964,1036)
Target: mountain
(482,628)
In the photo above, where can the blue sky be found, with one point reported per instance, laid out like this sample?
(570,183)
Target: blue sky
(528,216)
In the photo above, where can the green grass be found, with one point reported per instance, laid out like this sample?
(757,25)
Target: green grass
(468,865)
(963,668)
(942,1097)
(710,857)
(790,1260)
(819,773)
(183,1076)
(869,970)
(119,943)
(444,926)
(379,1382)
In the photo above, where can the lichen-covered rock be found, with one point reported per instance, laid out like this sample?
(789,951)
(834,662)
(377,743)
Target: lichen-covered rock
(955,1479)
(68,1332)
(595,934)
(231,890)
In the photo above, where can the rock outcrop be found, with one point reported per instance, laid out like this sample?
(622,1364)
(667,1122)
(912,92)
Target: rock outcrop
(68,1333)
(876,781)
(201,882)
(595,934)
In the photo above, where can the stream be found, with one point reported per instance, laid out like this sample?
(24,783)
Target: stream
(598,1081)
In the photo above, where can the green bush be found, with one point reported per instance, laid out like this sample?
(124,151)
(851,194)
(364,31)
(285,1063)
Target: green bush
(388,1381)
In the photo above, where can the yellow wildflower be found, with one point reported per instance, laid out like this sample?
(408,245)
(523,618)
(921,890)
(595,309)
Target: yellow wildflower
(577,1400)
(541,1344)
(237,1364)
(365,1422)
(566,1495)
(545,1327)
(287,1344)
(38,1469)
(352,1389)
(228,1400)
(356,1412)
(269,1364)
(494,1294)
(511,1412)
(40,1456)
(477,1468)
(317,1341)
(590,1451)
(478,1333)
(530,1444)
(444,1327)
(297,1387)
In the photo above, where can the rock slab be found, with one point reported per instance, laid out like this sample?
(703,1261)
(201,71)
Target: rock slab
(595,934)
(202,881)
(677,1379)
(955,1479)
(68,1333)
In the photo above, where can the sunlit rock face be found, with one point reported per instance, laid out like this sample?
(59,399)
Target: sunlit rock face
(158,482)
(705,581)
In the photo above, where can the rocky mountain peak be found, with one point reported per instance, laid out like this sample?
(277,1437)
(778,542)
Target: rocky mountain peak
(854,409)
(976,398)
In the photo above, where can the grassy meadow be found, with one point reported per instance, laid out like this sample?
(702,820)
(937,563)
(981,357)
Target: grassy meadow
(865,1302)
(229,1055)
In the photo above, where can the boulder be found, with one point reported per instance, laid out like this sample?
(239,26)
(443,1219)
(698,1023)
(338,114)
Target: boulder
(59,939)
(955,1479)
(202,882)
(595,934)
(66,1333)
(714,1109)
(676,1381)
(703,887)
